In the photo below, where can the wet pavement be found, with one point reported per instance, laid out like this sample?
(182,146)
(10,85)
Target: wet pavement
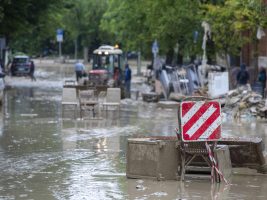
(45,156)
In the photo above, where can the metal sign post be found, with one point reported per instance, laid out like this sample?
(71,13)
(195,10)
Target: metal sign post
(155,50)
(139,63)
(59,40)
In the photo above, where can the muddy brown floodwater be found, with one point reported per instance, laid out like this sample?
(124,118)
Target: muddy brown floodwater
(45,156)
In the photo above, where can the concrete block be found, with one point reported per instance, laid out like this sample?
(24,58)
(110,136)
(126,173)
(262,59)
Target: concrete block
(222,155)
(153,158)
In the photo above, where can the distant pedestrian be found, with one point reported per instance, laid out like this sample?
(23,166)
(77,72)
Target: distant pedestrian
(79,70)
(127,81)
(32,69)
(242,76)
(262,79)
(2,73)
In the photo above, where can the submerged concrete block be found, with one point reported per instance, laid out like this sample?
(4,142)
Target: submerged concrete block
(168,104)
(154,158)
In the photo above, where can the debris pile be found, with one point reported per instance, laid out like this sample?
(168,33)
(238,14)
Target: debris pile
(243,102)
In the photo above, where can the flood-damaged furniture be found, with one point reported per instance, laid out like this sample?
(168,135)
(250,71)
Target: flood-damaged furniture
(88,102)
(113,99)
(150,97)
(191,152)
(70,83)
(69,99)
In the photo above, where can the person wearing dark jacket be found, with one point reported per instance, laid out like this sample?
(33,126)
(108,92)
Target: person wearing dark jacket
(262,79)
(32,68)
(127,81)
(242,76)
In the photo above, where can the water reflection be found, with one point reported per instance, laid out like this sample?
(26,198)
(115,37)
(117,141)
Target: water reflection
(45,156)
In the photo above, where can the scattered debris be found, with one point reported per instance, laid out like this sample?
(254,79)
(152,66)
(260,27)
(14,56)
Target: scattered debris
(243,102)
(150,97)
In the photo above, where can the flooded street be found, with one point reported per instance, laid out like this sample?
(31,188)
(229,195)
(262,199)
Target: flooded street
(45,156)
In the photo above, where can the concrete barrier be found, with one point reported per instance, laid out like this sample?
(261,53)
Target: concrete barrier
(159,157)
(153,158)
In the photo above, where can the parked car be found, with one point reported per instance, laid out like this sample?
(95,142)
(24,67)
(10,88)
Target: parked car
(21,66)
(132,55)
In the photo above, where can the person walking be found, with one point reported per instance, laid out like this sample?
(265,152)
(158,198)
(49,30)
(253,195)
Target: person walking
(127,81)
(242,76)
(32,68)
(79,70)
(262,79)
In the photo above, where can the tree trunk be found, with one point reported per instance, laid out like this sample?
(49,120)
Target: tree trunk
(76,48)
(169,56)
(180,59)
(255,60)
(139,63)
(85,54)
(231,79)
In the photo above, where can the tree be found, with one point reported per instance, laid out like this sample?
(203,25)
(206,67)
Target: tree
(231,20)
(82,21)
(126,21)
(26,23)
(137,23)
(174,22)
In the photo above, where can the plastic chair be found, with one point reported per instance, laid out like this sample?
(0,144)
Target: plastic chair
(69,99)
(113,99)
(88,102)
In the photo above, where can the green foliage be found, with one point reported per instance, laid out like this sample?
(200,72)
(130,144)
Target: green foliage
(137,23)
(125,20)
(231,20)
(30,25)
(82,19)
(27,23)
(174,22)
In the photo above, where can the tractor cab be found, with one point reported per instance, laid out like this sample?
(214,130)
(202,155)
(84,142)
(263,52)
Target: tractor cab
(107,66)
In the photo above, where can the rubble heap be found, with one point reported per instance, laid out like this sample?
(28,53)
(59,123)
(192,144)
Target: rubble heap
(243,102)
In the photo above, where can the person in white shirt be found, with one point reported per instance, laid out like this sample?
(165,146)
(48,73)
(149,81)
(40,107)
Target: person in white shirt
(79,70)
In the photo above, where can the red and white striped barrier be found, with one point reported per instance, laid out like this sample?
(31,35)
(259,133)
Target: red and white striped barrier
(214,165)
(200,120)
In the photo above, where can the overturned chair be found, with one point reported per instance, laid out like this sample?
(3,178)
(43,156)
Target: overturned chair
(199,130)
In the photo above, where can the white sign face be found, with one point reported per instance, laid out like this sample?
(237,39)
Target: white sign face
(262,61)
(59,35)
(59,38)
(218,84)
(155,47)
